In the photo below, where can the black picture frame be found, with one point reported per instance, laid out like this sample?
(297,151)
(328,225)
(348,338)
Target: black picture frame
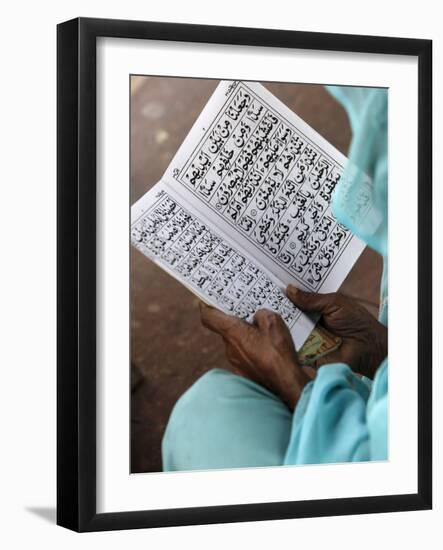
(76,280)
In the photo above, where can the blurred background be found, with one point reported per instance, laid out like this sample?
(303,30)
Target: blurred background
(169,347)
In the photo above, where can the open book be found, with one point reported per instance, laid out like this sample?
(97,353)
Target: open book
(244,209)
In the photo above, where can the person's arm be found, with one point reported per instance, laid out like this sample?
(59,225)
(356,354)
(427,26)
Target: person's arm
(262,351)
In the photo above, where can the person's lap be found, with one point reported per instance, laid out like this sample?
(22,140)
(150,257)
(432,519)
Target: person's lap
(226,421)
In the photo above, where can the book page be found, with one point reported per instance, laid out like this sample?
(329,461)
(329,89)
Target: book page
(266,179)
(176,237)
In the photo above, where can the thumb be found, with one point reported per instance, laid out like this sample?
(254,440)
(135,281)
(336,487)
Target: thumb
(309,301)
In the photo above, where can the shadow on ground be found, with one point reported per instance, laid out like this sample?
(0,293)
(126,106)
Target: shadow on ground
(46,513)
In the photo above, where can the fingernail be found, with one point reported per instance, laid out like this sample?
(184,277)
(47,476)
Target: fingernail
(293,289)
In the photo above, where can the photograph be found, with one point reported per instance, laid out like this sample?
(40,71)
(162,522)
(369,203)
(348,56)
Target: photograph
(258,274)
(221,275)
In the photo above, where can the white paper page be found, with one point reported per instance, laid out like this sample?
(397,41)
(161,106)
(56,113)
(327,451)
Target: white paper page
(265,178)
(173,234)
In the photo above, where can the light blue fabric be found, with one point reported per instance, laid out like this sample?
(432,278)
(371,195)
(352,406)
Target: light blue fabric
(339,418)
(361,202)
(227,421)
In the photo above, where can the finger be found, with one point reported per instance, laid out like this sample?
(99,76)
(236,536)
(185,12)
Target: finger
(216,320)
(310,301)
(310,371)
(328,359)
(264,318)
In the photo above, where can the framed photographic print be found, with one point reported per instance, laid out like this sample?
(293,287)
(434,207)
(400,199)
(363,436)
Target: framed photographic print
(244,274)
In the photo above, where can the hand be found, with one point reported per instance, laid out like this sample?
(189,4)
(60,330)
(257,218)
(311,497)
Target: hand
(262,351)
(364,339)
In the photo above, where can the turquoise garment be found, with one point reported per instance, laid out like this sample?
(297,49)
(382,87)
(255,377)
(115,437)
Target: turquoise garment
(227,421)
(360,203)
(340,418)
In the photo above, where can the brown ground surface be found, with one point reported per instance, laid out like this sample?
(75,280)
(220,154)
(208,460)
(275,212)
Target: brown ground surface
(169,347)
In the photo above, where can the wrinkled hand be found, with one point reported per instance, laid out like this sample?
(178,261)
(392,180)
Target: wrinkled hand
(262,351)
(364,339)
